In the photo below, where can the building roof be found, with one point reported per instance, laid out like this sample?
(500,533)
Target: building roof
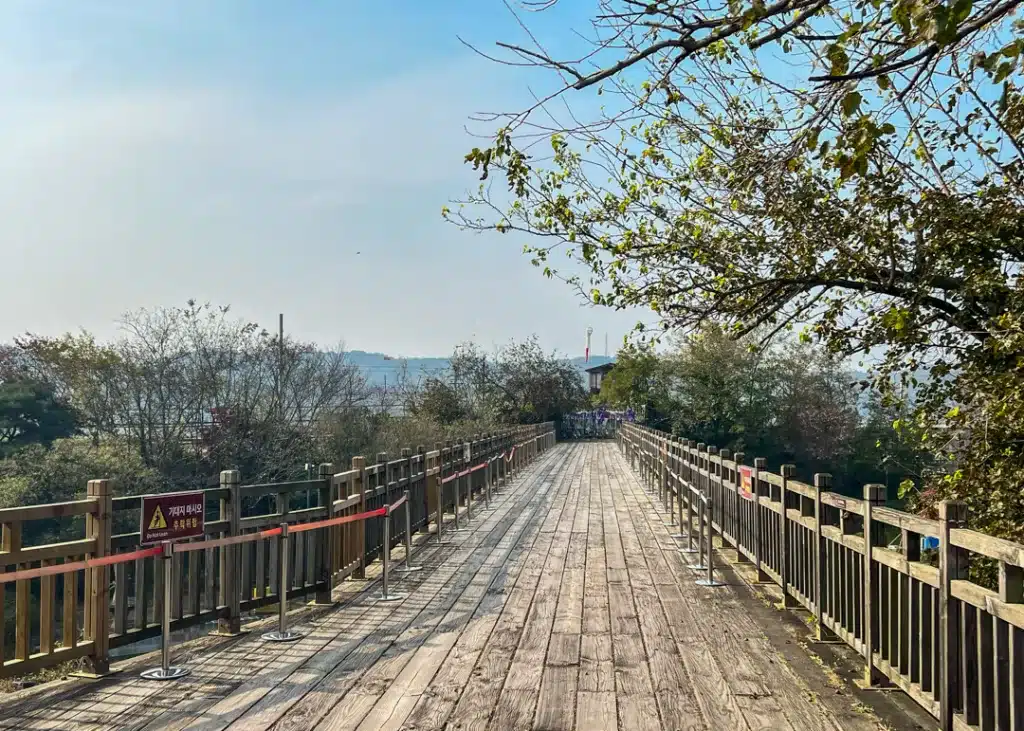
(603,368)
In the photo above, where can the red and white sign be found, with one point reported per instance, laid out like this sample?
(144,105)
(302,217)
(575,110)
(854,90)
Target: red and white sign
(746,482)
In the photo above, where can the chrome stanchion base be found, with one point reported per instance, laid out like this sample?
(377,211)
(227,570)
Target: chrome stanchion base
(159,674)
(286,636)
(390,598)
(678,536)
(411,569)
(700,567)
(708,582)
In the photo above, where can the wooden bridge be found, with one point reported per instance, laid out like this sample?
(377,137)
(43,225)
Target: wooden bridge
(564,601)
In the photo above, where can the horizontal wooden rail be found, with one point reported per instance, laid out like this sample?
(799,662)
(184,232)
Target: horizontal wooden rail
(866,573)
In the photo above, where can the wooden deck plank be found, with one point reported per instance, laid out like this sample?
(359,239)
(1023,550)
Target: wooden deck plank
(767,692)
(483,670)
(335,689)
(522,687)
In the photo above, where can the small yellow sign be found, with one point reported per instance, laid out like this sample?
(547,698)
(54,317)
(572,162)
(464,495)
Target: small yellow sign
(157,522)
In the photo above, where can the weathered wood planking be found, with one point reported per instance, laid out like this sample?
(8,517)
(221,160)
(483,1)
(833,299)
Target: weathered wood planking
(566,607)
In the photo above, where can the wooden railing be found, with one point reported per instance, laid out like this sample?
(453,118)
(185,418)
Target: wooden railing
(87,612)
(919,622)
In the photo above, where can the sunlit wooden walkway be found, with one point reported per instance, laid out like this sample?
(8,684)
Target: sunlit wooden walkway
(567,606)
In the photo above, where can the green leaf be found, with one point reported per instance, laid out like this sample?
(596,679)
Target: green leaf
(851,102)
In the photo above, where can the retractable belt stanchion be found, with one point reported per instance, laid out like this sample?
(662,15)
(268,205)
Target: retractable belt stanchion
(710,580)
(701,512)
(385,595)
(458,496)
(440,511)
(408,568)
(688,548)
(282,633)
(487,484)
(165,671)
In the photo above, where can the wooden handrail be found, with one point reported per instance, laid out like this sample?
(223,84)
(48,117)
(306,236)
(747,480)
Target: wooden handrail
(860,569)
(111,606)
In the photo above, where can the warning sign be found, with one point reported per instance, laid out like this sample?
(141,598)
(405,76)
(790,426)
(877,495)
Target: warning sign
(158,522)
(746,483)
(171,516)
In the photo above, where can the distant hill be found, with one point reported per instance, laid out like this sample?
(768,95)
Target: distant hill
(383,369)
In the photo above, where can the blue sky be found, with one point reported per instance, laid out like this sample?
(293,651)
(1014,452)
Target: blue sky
(274,156)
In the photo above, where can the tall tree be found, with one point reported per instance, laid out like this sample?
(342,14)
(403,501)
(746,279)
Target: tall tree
(519,383)
(30,413)
(850,170)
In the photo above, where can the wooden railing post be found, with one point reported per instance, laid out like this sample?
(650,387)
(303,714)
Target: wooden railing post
(230,563)
(874,495)
(384,474)
(737,510)
(98,598)
(722,500)
(1010,654)
(359,463)
(663,473)
(953,565)
(760,465)
(10,542)
(822,483)
(421,451)
(326,566)
(785,556)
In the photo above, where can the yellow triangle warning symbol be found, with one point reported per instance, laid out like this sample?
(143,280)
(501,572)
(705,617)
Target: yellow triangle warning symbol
(157,522)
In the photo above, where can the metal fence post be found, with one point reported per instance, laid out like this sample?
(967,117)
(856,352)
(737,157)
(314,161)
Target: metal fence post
(165,671)
(282,634)
(710,580)
(487,484)
(457,486)
(408,568)
(386,595)
(701,514)
(439,481)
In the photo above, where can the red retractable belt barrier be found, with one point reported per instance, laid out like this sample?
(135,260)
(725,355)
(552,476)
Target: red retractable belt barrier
(119,558)
(90,563)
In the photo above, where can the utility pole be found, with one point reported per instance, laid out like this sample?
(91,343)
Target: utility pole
(280,366)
